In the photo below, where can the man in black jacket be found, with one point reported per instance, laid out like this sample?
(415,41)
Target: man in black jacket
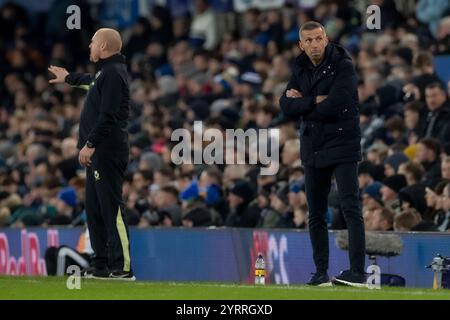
(103,144)
(438,119)
(323,92)
(242,213)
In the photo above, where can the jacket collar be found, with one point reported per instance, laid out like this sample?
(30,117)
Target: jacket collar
(325,60)
(444,109)
(333,53)
(116,58)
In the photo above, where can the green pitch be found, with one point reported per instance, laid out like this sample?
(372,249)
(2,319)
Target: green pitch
(55,288)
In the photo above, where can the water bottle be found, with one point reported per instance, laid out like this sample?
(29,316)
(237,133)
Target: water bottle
(437,267)
(441,268)
(260,270)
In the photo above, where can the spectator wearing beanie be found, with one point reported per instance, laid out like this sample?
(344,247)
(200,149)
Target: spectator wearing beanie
(197,217)
(365,174)
(242,214)
(391,187)
(392,163)
(372,196)
(65,205)
(389,98)
(413,197)
(166,218)
(404,54)
(376,155)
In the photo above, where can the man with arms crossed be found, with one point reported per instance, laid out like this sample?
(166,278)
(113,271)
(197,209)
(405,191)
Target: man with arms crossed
(323,93)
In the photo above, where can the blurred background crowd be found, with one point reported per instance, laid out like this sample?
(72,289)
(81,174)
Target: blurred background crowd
(226,64)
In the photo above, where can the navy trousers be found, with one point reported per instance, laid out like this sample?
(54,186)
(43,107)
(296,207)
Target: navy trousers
(318,184)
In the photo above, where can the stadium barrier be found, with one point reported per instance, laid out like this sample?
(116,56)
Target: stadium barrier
(224,255)
(442,66)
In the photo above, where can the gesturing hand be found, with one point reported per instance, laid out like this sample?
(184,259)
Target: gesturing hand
(292,93)
(60,74)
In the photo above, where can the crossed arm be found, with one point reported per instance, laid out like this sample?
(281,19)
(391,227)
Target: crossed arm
(293,93)
(322,107)
(294,104)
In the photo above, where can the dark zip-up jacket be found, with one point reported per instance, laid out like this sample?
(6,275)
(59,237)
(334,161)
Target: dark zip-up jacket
(104,119)
(438,124)
(329,131)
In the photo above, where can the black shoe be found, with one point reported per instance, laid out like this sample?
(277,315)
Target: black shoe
(351,278)
(88,272)
(320,279)
(122,275)
(100,274)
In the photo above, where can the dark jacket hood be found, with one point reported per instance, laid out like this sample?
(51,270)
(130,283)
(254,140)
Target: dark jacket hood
(333,53)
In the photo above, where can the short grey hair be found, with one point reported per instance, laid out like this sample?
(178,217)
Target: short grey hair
(310,25)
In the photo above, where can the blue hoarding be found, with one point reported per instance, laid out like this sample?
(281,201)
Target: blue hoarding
(225,255)
(442,67)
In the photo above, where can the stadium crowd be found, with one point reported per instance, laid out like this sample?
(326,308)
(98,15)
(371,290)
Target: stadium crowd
(227,70)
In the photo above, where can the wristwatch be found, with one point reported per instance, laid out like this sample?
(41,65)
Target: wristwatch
(89,144)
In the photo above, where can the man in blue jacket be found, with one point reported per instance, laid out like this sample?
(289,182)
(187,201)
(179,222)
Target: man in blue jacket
(323,93)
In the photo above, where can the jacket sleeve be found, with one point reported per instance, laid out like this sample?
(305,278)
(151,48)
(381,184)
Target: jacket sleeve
(79,80)
(342,94)
(295,107)
(444,134)
(111,88)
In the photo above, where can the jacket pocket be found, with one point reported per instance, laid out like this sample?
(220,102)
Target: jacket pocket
(341,128)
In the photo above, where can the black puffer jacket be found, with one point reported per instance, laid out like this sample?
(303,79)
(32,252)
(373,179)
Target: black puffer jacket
(329,130)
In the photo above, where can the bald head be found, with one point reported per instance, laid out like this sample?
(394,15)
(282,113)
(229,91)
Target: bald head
(105,43)
(111,38)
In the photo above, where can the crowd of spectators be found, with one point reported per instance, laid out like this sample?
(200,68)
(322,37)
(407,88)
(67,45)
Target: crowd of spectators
(195,66)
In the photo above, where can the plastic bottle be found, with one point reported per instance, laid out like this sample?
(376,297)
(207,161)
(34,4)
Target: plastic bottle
(260,270)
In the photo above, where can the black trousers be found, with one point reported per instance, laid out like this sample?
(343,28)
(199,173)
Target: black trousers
(106,219)
(318,184)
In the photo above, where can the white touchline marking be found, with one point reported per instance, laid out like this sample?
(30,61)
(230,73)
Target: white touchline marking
(323,289)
